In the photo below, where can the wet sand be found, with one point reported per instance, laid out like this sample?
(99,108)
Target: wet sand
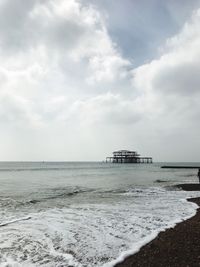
(175,247)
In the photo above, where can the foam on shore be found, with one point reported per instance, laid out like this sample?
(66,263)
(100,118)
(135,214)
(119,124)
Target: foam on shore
(136,248)
(93,234)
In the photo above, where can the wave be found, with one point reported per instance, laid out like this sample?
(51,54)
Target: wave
(56,193)
(88,235)
(61,195)
(145,240)
(92,234)
(14,221)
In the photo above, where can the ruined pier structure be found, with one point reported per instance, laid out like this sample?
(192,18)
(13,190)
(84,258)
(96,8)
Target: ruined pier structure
(126,156)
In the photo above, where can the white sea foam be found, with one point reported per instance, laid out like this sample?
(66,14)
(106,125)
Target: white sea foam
(93,234)
(137,246)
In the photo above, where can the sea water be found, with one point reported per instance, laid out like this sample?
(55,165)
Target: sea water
(86,214)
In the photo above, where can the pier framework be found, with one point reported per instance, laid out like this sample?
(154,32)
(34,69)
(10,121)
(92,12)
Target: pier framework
(126,156)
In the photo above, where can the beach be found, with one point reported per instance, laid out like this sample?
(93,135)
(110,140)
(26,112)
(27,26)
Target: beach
(175,247)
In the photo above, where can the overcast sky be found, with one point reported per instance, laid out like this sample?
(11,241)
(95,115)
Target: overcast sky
(82,78)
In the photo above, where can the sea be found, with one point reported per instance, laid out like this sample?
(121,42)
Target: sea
(86,214)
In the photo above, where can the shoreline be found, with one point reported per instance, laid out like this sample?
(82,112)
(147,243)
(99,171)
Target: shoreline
(178,246)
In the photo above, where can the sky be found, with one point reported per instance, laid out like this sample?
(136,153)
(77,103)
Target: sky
(82,78)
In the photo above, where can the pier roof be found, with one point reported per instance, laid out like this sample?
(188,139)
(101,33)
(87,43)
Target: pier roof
(124,151)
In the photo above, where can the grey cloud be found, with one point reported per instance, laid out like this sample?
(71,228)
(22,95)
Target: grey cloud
(15,28)
(141,27)
(21,30)
(181,79)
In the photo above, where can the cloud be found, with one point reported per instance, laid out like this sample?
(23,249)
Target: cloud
(170,88)
(174,76)
(63,77)
(106,109)
(53,49)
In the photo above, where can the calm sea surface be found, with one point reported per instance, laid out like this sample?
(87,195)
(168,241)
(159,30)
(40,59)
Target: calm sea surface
(85,214)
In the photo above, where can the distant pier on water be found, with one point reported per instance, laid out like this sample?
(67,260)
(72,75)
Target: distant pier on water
(127,156)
